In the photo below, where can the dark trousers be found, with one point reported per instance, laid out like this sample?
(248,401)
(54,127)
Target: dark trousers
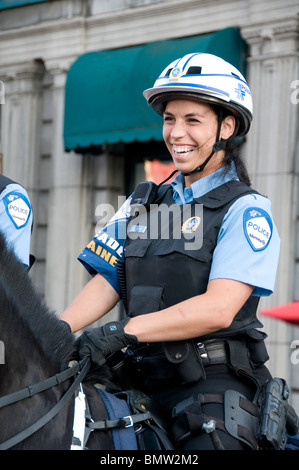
(219,379)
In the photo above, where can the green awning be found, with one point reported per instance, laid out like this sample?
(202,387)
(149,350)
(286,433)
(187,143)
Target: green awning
(5,4)
(103,95)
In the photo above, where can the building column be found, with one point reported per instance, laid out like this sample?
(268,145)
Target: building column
(271,155)
(69,212)
(77,185)
(20,123)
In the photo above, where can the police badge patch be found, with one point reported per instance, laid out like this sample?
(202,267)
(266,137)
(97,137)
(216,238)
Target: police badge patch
(191,224)
(258,226)
(17,208)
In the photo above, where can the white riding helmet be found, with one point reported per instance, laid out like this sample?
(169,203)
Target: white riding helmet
(206,77)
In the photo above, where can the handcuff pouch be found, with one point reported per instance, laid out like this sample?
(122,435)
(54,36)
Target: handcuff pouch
(184,356)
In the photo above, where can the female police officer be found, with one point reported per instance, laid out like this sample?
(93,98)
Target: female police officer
(191,325)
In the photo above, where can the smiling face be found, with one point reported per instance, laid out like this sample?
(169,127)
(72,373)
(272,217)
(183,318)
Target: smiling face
(189,131)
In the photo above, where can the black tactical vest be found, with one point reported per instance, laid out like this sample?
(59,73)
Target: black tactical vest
(4,181)
(161,272)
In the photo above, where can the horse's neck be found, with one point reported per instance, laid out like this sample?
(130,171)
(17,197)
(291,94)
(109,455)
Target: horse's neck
(24,362)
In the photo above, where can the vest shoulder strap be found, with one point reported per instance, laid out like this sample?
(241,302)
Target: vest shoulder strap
(4,181)
(218,197)
(163,191)
(224,194)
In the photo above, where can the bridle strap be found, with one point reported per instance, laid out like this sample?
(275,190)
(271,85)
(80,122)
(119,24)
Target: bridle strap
(83,367)
(39,387)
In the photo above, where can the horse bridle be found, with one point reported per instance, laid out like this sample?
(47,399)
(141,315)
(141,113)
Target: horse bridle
(81,368)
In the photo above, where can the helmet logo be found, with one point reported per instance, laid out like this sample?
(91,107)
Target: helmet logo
(241,91)
(175,74)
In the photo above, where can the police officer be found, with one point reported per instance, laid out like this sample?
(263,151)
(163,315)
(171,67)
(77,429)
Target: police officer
(191,331)
(16,219)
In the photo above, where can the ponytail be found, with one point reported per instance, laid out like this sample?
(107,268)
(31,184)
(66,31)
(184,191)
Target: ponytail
(232,154)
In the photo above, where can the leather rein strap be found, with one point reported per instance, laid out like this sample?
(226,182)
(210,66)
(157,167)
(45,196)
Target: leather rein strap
(81,368)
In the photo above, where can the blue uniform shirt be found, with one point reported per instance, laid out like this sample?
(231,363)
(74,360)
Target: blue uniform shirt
(16,220)
(247,248)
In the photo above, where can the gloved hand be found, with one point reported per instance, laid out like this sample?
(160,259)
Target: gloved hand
(66,326)
(98,343)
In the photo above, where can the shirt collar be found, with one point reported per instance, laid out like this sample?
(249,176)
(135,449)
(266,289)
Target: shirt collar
(182,195)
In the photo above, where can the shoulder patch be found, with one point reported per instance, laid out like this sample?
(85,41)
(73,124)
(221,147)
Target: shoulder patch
(17,208)
(258,227)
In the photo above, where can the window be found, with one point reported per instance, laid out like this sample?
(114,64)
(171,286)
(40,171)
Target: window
(146,161)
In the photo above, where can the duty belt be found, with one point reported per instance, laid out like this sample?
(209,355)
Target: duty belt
(190,358)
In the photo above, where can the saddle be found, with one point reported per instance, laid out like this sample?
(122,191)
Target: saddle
(152,432)
(134,421)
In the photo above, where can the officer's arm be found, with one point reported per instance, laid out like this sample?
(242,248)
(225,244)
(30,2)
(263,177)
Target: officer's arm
(198,316)
(96,299)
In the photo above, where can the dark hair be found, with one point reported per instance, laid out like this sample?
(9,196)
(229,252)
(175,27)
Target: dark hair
(232,154)
(232,150)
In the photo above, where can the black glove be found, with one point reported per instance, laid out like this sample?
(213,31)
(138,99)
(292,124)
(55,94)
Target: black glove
(98,343)
(66,326)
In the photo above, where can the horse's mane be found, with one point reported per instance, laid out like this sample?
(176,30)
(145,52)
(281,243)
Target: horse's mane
(52,337)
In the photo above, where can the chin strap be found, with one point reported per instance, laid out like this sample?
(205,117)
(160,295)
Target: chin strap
(168,178)
(219,145)
(216,147)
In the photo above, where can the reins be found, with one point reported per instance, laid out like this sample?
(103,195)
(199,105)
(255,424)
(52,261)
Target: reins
(81,368)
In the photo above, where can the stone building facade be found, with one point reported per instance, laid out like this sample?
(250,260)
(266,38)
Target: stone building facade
(40,40)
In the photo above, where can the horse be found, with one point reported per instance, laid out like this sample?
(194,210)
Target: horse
(37,385)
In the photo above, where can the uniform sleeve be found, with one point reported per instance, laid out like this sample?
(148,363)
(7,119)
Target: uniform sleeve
(16,220)
(248,245)
(104,251)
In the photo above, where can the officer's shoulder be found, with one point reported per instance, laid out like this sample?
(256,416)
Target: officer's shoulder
(16,189)
(252,200)
(17,205)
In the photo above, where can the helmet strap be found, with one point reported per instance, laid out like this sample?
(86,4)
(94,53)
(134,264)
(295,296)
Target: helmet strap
(168,178)
(218,145)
